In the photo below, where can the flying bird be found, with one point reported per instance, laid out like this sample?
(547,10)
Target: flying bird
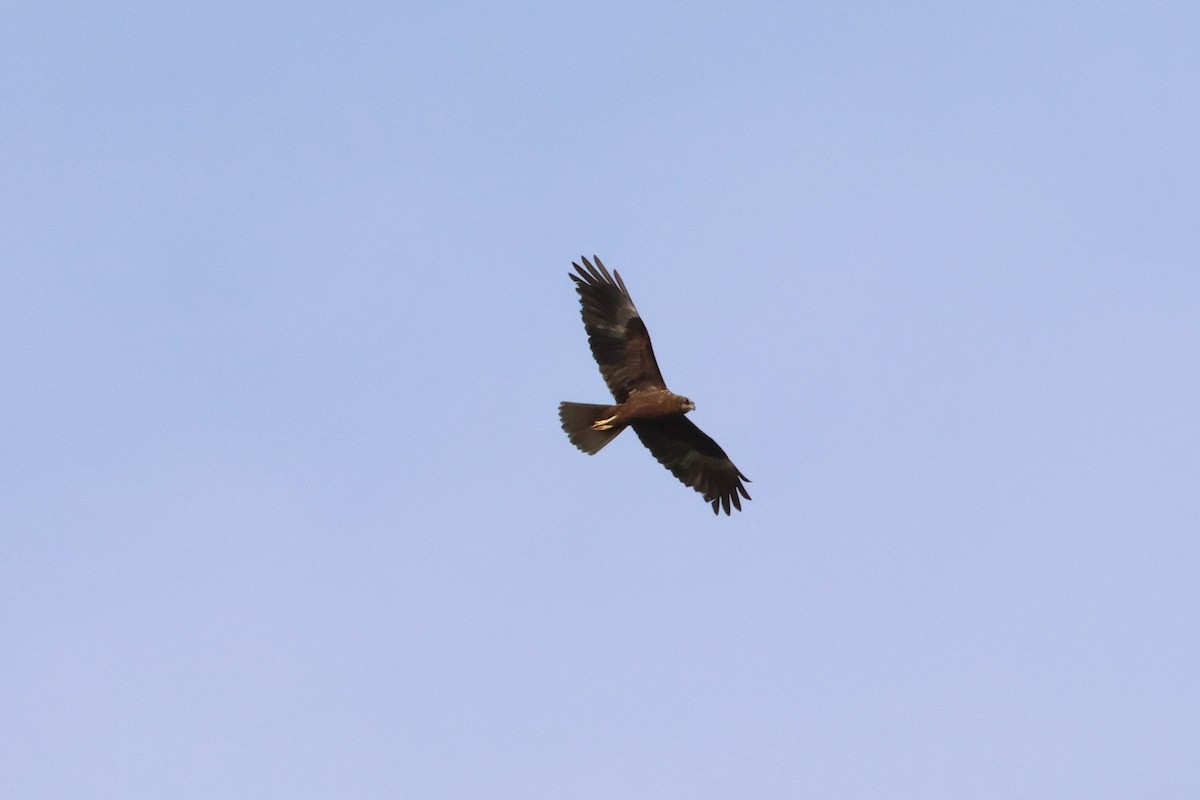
(621,346)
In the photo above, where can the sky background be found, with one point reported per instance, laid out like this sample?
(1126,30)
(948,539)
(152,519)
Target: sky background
(285,509)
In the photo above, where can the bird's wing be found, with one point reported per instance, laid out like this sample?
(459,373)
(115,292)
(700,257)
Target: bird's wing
(618,337)
(694,458)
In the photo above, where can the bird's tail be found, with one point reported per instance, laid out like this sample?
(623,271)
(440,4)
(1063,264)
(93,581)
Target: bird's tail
(577,419)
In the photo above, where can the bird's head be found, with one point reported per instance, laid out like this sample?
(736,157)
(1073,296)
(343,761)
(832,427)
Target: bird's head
(686,405)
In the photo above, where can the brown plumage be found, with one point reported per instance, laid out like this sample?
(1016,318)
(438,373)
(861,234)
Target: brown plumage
(621,346)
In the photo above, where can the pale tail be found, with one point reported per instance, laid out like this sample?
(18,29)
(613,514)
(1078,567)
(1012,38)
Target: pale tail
(577,419)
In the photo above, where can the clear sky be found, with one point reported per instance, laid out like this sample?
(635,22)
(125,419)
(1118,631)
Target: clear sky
(285,510)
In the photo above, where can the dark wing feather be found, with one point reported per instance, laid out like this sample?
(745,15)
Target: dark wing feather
(618,337)
(694,458)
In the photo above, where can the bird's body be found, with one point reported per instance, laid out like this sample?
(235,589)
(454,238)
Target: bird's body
(621,345)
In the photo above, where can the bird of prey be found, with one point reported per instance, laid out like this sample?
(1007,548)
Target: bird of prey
(621,346)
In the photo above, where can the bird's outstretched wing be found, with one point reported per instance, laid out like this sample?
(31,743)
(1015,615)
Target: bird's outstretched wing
(694,458)
(618,337)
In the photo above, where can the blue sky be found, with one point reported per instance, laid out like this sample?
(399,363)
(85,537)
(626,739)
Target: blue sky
(286,508)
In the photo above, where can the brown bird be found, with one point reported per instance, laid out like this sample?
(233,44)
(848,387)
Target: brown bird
(621,346)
